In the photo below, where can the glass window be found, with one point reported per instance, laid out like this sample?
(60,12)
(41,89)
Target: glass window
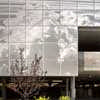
(91,61)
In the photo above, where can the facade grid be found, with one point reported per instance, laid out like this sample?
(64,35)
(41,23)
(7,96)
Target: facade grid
(48,28)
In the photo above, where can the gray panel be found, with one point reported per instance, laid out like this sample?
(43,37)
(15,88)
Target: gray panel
(97,18)
(51,17)
(3,32)
(16,34)
(17,1)
(68,51)
(68,5)
(32,49)
(51,4)
(71,18)
(51,51)
(34,4)
(34,17)
(39,28)
(4,60)
(86,0)
(4,53)
(16,12)
(97,0)
(51,34)
(14,50)
(86,17)
(4,67)
(97,6)
(97,14)
(53,67)
(69,0)
(4,14)
(69,66)
(34,34)
(85,5)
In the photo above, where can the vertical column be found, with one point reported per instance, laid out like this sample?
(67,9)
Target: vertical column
(90,94)
(4,90)
(73,90)
(67,87)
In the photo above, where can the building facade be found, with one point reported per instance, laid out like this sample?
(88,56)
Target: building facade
(48,28)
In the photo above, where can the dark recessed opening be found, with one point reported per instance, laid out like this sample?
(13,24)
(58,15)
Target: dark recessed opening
(89,38)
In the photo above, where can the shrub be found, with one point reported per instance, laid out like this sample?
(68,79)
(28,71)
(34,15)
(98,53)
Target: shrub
(43,98)
(64,98)
(61,98)
(1,98)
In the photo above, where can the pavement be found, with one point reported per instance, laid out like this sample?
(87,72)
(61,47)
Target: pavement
(88,99)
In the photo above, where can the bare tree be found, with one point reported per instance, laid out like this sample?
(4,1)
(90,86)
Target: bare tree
(27,81)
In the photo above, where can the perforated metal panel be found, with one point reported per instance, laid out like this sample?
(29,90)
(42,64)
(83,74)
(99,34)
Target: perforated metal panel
(46,27)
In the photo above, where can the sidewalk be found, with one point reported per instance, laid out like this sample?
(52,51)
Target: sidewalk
(88,99)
